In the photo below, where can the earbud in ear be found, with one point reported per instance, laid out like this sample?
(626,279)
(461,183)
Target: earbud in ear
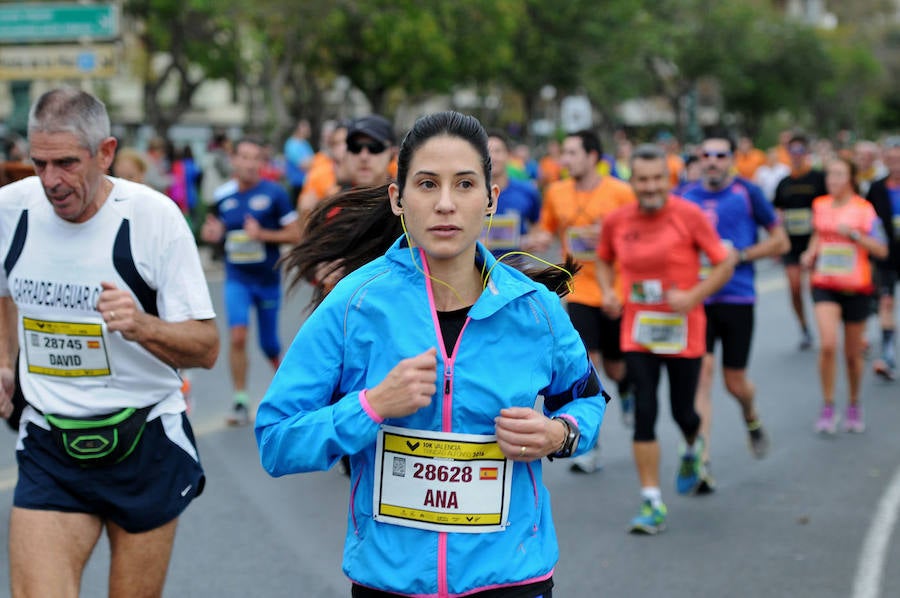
(398,203)
(490,202)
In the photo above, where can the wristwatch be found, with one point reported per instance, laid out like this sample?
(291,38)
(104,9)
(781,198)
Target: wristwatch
(854,235)
(742,256)
(570,443)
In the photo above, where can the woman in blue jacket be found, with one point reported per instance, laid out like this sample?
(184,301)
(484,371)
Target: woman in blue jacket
(423,366)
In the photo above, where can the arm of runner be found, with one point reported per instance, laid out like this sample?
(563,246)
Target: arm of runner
(872,241)
(683,301)
(288,233)
(605,278)
(213,229)
(520,428)
(305,204)
(537,239)
(191,343)
(777,243)
(8,349)
(407,388)
(808,257)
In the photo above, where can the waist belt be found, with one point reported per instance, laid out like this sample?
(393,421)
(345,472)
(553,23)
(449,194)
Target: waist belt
(99,440)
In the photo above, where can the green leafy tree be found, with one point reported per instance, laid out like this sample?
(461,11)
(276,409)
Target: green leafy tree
(285,66)
(785,75)
(850,97)
(199,44)
(414,48)
(549,44)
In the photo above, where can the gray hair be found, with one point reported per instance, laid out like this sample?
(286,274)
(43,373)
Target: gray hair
(70,110)
(647,151)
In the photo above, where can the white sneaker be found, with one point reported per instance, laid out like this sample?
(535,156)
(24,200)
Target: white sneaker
(588,462)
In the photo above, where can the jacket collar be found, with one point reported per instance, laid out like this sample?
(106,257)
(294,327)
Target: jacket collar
(504,283)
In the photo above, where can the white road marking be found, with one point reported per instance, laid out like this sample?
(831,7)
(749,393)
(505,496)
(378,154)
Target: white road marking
(870,567)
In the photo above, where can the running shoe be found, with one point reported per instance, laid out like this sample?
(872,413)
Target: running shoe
(239,416)
(806,341)
(828,421)
(588,462)
(627,409)
(853,422)
(691,470)
(884,369)
(650,521)
(759,439)
(707,481)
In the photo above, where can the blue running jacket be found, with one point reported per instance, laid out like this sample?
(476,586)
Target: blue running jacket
(517,343)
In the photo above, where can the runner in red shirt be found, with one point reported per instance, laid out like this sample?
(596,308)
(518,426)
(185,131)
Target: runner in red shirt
(657,244)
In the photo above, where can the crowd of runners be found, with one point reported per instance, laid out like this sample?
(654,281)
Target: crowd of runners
(657,245)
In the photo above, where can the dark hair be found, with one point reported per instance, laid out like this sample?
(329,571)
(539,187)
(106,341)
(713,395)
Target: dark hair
(352,228)
(347,230)
(589,141)
(720,133)
(799,138)
(647,151)
(449,123)
(498,134)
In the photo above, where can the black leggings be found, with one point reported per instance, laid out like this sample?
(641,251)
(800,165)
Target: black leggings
(683,372)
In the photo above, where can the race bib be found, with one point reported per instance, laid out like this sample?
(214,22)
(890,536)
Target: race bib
(65,349)
(660,332)
(647,291)
(836,259)
(504,233)
(241,249)
(798,221)
(441,481)
(582,242)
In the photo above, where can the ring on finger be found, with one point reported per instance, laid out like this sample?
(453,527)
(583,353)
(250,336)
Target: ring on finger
(522,451)
(112,315)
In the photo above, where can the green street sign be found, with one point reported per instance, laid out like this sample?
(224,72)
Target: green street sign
(31,22)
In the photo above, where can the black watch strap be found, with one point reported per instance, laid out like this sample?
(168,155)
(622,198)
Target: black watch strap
(570,443)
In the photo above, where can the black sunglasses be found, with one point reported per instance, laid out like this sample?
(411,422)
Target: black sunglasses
(356,147)
(719,155)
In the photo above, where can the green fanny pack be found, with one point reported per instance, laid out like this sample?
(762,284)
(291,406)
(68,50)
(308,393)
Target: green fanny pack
(100,440)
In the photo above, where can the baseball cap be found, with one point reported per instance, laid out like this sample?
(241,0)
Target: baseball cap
(375,126)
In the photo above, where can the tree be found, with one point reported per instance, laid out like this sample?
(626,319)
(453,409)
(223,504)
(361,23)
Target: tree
(549,44)
(198,44)
(284,62)
(786,75)
(850,97)
(416,48)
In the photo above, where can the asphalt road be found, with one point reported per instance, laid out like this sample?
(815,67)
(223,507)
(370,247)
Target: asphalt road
(815,518)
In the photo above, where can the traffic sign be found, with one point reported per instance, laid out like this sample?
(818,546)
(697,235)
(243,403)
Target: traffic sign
(31,22)
(57,61)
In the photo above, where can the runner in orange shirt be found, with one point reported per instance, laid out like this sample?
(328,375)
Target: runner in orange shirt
(550,169)
(572,212)
(656,244)
(748,158)
(324,176)
(846,231)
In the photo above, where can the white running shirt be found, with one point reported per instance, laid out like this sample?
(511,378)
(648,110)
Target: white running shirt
(69,363)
